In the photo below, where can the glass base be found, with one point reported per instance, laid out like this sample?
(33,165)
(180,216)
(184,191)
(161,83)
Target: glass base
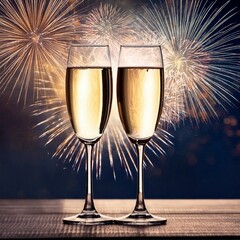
(88,218)
(141,218)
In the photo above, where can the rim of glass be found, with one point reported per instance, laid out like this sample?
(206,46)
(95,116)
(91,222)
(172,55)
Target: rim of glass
(89,45)
(142,45)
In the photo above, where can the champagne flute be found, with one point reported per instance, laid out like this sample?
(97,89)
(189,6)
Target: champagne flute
(140,93)
(89,99)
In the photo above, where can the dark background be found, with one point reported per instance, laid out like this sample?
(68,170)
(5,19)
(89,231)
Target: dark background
(204,162)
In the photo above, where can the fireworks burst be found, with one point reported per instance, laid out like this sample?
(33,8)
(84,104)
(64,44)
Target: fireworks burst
(200,52)
(34,36)
(103,24)
(107,23)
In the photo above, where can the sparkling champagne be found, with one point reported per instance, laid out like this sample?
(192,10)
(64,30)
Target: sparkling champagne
(140,101)
(89,96)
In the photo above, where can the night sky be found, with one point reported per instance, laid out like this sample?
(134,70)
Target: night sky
(203,163)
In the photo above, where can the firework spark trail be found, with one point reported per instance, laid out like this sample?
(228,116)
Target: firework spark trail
(107,23)
(200,52)
(57,128)
(34,36)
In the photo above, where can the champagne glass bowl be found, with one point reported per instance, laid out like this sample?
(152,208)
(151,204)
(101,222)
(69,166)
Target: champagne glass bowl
(140,94)
(89,99)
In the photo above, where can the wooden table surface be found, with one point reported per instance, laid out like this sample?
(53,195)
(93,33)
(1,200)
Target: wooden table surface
(197,219)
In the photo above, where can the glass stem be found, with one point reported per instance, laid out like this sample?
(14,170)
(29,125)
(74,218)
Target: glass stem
(89,205)
(140,205)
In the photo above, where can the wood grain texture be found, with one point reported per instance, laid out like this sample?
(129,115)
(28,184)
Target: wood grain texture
(186,218)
